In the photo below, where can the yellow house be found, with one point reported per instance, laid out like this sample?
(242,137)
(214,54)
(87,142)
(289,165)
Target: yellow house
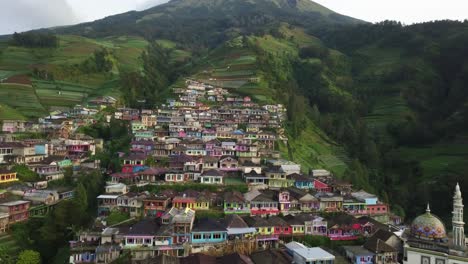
(7,176)
(198,203)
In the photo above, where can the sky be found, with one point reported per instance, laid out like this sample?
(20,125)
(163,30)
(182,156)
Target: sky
(21,15)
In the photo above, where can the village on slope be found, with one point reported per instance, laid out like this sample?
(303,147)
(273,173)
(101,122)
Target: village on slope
(202,181)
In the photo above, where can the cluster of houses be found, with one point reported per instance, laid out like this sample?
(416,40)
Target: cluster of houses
(209,137)
(206,136)
(48,158)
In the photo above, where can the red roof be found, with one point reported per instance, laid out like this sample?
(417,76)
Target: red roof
(320,185)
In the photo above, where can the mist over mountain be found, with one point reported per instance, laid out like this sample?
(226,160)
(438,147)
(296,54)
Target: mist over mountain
(22,15)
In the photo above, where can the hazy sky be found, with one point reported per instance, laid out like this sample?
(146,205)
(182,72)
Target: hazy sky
(21,15)
(406,11)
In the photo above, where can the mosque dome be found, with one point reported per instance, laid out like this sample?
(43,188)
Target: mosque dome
(428,226)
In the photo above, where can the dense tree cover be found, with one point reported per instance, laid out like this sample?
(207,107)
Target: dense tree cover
(148,87)
(29,257)
(50,234)
(208,23)
(35,40)
(25,174)
(117,138)
(429,74)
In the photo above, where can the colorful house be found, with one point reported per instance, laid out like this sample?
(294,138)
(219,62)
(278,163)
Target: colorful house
(106,203)
(277,178)
(208,231)
(282,228)
(265,230)
(264,203)
(235,203)
(155,205)
(343,227)
(301,181)
(141,234)
(237,228)
(330,202)
(132,162)
(228,163)
(320,186)
(212,177)
(359,255)
(182,223)
(7,176)
(18,211)
(316,226)
(184,201)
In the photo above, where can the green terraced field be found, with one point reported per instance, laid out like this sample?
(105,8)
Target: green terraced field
(8,113)
(439,159)
(318,152)
(22,98)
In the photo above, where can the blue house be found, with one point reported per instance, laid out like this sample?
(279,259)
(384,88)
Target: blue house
(302,181)
(359,255)
(208,231)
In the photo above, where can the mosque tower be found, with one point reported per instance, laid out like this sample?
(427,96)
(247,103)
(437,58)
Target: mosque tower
(457,220)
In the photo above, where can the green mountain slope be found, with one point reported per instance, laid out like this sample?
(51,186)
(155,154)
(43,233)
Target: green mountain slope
(208,23)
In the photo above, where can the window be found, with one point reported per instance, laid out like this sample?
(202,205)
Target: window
(197,236)
(206,236)
(216,236)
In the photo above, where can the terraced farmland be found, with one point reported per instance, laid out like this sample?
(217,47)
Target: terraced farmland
(22,98)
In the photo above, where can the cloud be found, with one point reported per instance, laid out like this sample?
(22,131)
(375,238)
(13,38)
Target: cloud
(22,15)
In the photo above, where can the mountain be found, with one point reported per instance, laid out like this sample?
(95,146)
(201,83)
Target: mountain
(211,22)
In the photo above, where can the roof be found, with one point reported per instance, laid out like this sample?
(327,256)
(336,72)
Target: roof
(234,221)
(106,196)
(294,245)
(300,177)
(14,203)
(377,246)
(5,171)
(256,221)
(358,250)
(383,234)
(213,173)
(271,256)
(362,195)
(145,227)
(198,259)
(208,225)
(277,221)
(234,197)
(315,253)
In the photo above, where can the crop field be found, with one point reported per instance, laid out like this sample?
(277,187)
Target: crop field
(319,151)
(8,113)
(439,159)
(21,98)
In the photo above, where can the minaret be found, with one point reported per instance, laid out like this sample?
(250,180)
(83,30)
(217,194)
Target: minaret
(457,220)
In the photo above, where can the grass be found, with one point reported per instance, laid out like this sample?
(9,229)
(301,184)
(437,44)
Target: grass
(439,159)
(318,151)
(8,243)
(69,88)
(8,113)
(22,98)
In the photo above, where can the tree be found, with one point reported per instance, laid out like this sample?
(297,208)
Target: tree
(25,174)
(68,176)
(29,257)
(5,256)
(80,201)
